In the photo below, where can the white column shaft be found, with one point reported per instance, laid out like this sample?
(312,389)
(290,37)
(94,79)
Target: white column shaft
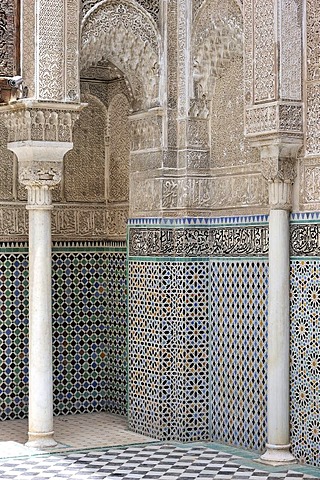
(278,329)
(40,324)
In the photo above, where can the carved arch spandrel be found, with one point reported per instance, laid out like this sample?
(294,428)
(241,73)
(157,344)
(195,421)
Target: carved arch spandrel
(123,33)
(84,166)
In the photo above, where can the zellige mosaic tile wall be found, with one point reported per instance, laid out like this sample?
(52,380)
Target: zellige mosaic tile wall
(198,329)
(89,297)
(305,338)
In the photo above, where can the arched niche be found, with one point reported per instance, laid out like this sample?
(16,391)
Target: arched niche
(126,35)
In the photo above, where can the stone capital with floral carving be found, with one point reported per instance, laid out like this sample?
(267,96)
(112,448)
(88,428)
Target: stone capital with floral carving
(40,167)
(278,166)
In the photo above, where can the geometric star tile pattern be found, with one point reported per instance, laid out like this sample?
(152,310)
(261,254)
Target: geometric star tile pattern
(305,360)
(89,330)
(168,349)
(239,352)
(162,462)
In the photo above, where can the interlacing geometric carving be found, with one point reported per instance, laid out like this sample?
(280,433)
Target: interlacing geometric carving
(124,34)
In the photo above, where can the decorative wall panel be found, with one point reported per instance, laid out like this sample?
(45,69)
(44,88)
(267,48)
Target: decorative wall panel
(89,329)
(228,144)
(239,291)
(305,360)
(119,149)
(198,329)
(168,349)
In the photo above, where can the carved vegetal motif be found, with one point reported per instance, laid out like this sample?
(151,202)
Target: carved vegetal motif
(217,38)
(8,38)
(291,49)
(119,150)
(85,164)
(50,50)
(125,35)
(264,51)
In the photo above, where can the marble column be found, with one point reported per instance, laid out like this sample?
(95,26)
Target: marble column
(280,174)
(40,329)
(40,169)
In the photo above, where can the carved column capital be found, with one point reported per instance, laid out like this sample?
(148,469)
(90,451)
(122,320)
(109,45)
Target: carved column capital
(278,166)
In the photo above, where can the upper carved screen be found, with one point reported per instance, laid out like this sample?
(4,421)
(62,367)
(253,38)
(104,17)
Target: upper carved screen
(9,38)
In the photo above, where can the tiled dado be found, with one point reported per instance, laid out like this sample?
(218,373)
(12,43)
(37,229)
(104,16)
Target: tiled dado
(89,296)
(198,328)
(305,338)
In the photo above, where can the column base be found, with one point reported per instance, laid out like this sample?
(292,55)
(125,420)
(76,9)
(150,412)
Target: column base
(41,440)
(277,455)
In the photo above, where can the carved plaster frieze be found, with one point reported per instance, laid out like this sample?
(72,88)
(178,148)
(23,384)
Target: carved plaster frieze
(205,193)
(69,222)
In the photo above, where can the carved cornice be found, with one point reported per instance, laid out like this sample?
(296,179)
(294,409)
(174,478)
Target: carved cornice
(40,122)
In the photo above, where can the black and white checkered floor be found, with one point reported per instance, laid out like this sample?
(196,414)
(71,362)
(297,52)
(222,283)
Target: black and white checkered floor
(147,462)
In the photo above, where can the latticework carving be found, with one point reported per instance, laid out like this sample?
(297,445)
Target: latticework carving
(85,164)
(119,150)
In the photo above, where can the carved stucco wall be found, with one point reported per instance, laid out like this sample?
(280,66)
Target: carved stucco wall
(92,200)
(236,184)
(84,165)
